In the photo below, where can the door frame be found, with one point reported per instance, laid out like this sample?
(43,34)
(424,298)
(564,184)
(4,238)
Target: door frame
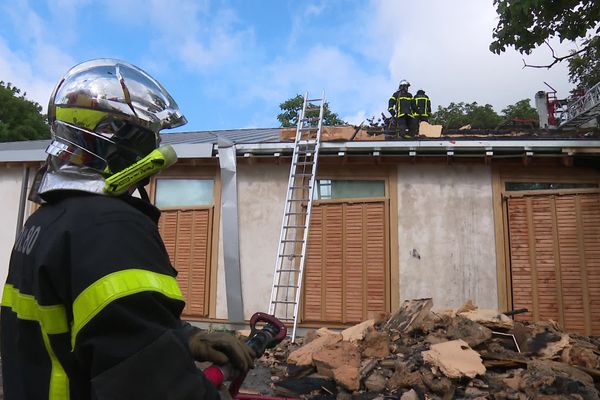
(387,174)
(502,174)
(201,172)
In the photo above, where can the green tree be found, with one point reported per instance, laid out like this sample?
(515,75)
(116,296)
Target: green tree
(20,119)
(460,114)
(292,107)
(584,68)
(527,24)
(521,109)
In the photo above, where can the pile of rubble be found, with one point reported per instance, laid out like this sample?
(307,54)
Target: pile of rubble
(419,354)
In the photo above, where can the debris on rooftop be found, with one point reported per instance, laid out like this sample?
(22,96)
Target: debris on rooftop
(417,353)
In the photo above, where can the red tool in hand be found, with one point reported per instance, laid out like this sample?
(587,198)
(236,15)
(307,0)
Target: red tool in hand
(271,334)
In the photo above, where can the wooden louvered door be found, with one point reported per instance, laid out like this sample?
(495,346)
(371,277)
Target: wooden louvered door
(554,243)
(187,236)
(346,262)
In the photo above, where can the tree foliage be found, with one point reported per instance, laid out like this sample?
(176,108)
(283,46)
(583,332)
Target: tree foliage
(521,109)
(460,114)
(292,107)
(584,68)
(527,24)
(20,119)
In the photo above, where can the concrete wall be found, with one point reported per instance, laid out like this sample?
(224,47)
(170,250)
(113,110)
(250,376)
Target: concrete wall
(261,197)
(446,234)
(10,184)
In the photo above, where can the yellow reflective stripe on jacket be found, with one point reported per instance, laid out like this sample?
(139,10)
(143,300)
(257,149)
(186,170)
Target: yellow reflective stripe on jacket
(52,319)
(425,100)
(59,381)
(115,286)
(89,119)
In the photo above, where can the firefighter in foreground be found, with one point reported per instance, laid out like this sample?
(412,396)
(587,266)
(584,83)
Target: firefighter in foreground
(402,108)
(91,307)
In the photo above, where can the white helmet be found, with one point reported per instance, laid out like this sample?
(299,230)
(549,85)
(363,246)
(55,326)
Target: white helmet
(404,82)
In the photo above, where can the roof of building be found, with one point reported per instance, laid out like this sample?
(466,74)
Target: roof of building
(268,142)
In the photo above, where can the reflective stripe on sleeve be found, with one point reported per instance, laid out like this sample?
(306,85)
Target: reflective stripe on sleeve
(115,286)
(52,320)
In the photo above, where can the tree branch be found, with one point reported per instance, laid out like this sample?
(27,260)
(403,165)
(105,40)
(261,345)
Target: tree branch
(556,59)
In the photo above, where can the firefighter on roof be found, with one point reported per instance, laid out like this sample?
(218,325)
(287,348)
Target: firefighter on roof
(422,106)
(402,108)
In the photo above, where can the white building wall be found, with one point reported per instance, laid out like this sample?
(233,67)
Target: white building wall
(261,197)
(10,187)
(446,234)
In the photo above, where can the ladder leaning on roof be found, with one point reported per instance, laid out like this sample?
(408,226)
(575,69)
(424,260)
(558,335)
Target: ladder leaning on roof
(291,252)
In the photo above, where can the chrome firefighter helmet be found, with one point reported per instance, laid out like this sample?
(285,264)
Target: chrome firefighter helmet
(106,114)
(404,82)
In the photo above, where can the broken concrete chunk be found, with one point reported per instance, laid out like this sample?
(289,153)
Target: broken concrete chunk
(410,315)
(377,344)
(357,332)
(469,331)
(468,306)
(347,377)
(304,354)
(375,382)
(404,378)
(410,395)
(334,356)
(489,318)
(455,359)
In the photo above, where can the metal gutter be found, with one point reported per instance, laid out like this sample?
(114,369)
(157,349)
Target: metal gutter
(23,155)
(485,147)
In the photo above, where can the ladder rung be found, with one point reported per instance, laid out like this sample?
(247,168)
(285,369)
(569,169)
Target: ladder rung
(313,100)
(299,187)
(295,213)
(287,270)
(292,240)
(301,174)
(294,226)
(291,255)
(303,163)
(298,200)
(283,302)
(287,286)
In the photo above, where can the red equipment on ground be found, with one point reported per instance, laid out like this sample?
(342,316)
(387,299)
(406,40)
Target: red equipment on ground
(271,334)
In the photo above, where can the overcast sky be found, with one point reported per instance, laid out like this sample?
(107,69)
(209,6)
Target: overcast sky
(229,64)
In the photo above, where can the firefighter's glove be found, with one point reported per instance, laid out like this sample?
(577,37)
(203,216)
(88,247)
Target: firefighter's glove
(221,348)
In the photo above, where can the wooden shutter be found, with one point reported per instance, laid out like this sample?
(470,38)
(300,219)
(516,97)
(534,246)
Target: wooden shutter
(346,262)
(187,235)
(554,245)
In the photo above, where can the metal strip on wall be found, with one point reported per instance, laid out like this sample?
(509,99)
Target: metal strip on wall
(22,201)
(231,247)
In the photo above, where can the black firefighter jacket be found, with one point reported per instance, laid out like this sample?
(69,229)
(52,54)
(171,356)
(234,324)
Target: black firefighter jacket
(402,103)
(91,307)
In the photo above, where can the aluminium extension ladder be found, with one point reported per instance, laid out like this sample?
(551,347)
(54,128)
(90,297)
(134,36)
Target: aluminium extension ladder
(584,109)
(291,252)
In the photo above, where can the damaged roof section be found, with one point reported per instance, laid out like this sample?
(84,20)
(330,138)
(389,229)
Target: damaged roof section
(350,140)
